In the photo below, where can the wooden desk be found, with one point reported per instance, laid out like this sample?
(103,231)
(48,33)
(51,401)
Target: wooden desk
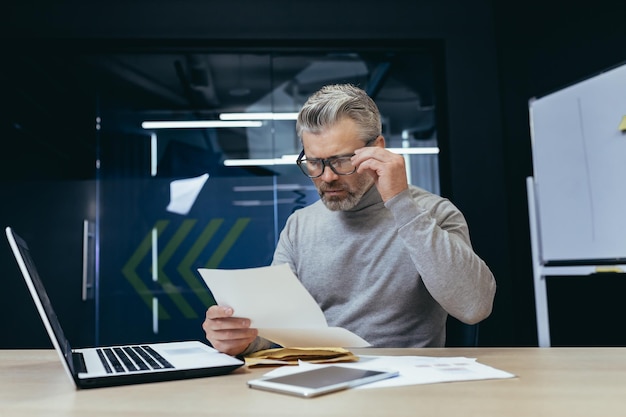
(553,382)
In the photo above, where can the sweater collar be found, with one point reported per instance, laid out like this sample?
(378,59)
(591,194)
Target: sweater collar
(370,198)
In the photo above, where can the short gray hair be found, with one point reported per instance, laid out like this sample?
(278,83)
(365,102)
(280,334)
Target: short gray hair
(333,103)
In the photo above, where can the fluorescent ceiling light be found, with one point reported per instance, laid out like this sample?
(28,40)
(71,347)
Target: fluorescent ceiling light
(284,160)
(199,124)
(291,159)
(426,150)
(259,116)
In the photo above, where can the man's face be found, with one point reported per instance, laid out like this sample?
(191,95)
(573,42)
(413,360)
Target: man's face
(337,192)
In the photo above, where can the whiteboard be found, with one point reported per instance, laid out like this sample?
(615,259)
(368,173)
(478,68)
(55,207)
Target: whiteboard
(579,169)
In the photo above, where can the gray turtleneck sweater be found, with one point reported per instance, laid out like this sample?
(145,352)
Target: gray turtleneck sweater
(389,272)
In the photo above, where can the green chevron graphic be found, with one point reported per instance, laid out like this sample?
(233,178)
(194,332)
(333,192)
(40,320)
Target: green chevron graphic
(227,243)
(130,269)
(184,268)
(164,258)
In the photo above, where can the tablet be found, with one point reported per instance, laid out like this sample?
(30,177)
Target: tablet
(320,380)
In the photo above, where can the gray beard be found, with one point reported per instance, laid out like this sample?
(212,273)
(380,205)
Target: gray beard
(347,203)
(343,204)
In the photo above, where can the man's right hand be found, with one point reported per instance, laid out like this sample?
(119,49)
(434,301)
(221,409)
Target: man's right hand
(226,333)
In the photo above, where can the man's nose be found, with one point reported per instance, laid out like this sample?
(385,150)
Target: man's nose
(328,175)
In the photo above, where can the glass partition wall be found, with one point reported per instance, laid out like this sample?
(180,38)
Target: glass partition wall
(195,166)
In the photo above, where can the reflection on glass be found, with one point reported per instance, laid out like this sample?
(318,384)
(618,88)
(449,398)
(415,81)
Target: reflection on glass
(218,196)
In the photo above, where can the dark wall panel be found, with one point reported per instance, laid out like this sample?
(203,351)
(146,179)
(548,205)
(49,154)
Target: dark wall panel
(495,57)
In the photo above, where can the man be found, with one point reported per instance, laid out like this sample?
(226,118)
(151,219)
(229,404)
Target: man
(386,260)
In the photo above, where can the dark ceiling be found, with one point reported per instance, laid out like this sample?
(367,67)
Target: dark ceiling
(57,96)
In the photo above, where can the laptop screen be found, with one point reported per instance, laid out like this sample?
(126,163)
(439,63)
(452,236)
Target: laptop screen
(32,275)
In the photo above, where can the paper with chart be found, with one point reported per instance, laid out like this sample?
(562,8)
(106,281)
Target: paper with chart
(278,305)
(413,370)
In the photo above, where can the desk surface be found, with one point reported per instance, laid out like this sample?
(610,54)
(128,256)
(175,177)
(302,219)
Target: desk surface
(550,381)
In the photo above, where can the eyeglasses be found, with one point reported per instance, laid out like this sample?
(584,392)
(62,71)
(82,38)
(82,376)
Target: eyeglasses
(340,165)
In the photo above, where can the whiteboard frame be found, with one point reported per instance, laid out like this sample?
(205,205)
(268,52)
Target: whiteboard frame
(542,271)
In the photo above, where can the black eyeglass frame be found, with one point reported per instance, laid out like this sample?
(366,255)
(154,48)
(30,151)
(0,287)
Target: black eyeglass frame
(328,161)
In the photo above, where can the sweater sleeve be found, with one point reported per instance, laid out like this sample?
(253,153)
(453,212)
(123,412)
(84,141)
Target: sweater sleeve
(283,254)
(436,235)
(257,344)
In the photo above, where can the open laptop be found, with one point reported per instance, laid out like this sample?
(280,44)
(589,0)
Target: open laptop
(118,365)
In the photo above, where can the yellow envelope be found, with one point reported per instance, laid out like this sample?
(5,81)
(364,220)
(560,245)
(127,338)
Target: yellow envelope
(291,356)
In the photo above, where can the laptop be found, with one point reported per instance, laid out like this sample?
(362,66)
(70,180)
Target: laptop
(118,365)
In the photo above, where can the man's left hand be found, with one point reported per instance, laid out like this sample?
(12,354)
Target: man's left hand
(387,169)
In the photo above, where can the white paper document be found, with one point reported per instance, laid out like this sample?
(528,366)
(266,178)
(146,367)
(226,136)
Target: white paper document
(183,194)
(278,305)
(413,370)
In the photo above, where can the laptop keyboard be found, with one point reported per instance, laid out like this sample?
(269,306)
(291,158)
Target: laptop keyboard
(131,359)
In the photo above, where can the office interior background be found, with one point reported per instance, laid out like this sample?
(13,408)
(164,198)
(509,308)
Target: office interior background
(101,198)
